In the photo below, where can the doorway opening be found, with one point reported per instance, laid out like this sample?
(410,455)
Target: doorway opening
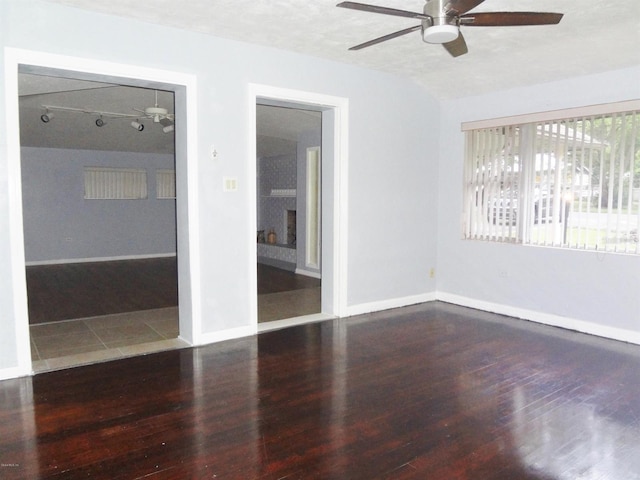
(326,190)
(288,188)
(102,272)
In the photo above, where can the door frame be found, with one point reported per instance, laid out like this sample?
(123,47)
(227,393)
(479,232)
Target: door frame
(187,217)
(334,205)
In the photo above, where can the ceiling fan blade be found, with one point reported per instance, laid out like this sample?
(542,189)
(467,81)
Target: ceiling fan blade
(458,7)
(386,37)
(507,19)
(384,10)
(456,47)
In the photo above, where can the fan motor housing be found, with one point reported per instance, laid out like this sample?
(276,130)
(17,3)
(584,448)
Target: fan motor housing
(156,113)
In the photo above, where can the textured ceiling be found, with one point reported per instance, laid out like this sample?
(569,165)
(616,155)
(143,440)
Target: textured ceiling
(594,36)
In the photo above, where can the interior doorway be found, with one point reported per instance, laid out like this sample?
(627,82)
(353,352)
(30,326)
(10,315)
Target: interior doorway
(332,218)
(133,326)
(288,206)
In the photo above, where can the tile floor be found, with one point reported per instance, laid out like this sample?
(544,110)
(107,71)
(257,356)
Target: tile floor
(88,340)
(83,341)
(293,303)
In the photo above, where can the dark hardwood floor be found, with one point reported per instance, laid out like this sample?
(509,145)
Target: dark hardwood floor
(276,280)
(431,391)
(80,290)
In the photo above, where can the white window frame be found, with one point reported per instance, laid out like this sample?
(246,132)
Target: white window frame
(561,179)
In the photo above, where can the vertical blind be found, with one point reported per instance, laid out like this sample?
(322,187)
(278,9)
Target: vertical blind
(166,183)
(102,183)
(569,182)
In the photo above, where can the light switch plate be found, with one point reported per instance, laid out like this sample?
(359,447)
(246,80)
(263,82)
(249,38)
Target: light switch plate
(229,184)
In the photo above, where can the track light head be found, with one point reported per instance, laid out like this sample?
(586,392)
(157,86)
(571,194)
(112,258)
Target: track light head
(137,125)
(100,122)
(46,117)
(168,129)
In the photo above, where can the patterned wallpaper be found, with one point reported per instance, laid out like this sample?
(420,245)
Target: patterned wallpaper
(276,173)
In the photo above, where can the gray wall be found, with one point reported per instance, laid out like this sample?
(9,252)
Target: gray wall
(60,225)
(573,288)
(392,157)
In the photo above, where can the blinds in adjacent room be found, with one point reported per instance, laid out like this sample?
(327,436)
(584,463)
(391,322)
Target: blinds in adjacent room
(101,183)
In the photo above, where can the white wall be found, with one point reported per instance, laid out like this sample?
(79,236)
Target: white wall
(393,148)
(593,292)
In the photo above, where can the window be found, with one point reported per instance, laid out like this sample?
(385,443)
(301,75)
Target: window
(166,183)
(101,183)
(313,208)
(572,181)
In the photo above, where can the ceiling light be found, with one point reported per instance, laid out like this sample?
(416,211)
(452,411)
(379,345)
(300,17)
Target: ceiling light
(46,117)
(100,122)
(156,113)
(440,33)
(137,125)
(168,129)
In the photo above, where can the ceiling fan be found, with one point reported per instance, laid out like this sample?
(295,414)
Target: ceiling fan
(442,19)
(157,113)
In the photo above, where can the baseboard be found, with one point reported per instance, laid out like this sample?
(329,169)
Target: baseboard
(308,273)
(99,259)
(223,335)
(613,333)
(293,322)
(14,372)
(389,304)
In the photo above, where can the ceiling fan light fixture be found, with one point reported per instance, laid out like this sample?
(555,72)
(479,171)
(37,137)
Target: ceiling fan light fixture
(137,125)
(440,33)
(168,129)
(156,113)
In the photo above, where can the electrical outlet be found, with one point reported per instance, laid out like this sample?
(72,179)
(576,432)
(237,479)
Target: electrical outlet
(504,273)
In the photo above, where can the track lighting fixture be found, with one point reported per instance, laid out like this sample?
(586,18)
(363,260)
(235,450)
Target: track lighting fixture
(155,114)
(46,117)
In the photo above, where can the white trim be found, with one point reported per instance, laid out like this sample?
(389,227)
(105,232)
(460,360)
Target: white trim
(340,107)
(7,373)
(65,261)
(13,58)
(16,232)
(576,112)
(308,273)
(566,323)
(293,322)
(363,308)
(193,211)
(227,334)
